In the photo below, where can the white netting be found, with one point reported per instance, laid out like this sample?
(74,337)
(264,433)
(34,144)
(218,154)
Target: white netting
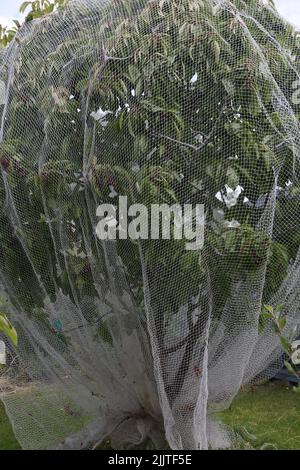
(171,101)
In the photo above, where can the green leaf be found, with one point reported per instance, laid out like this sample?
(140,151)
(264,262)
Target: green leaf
(24,6)
(233,177)
(7,328)
(119,121)
(49,9)
(269,309)
(152,106)
(133,74)
(216,51)
(17,23)
(285,345)
(290,368)
(282,323)
(121,89)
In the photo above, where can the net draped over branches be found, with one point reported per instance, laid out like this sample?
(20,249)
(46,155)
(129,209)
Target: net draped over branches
(173,101)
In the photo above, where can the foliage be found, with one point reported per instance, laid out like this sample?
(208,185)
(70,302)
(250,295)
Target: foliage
(7,34)
(221,130)
(7,328)
(273,316)
(136,131)
(37,9)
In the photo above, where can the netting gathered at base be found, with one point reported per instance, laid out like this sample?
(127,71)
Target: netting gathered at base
(141,341)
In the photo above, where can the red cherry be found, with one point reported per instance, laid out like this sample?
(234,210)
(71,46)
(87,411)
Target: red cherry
(4,163)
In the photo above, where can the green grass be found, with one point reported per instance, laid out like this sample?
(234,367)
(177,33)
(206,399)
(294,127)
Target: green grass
(43,417)
(7,438)
(270,412)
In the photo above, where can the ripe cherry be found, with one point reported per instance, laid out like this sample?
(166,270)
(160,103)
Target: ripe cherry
(4,163)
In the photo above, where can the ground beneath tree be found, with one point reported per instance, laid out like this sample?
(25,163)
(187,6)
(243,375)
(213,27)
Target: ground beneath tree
(269,412)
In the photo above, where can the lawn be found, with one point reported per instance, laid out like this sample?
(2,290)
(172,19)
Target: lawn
(270,412)
(7,438)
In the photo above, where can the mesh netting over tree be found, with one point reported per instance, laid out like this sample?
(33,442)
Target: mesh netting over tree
(173,101)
